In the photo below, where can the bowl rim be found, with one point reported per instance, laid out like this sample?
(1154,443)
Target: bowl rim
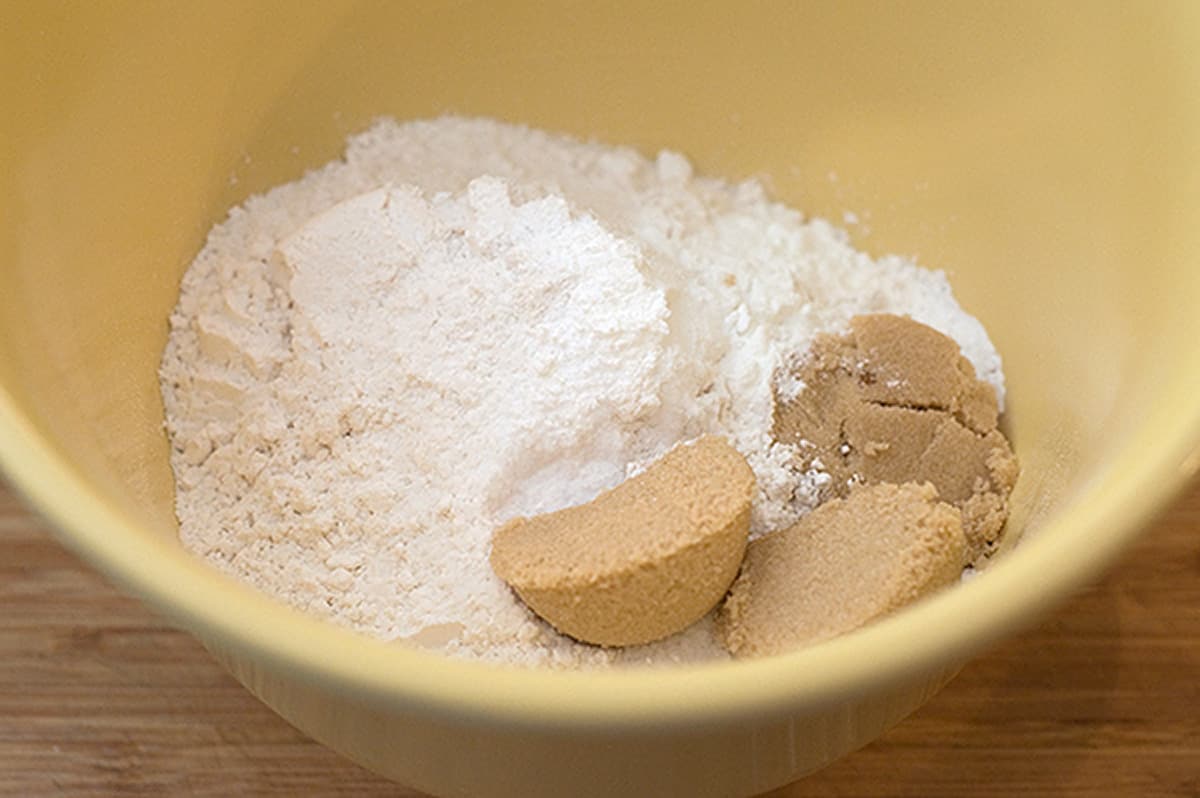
(927,638)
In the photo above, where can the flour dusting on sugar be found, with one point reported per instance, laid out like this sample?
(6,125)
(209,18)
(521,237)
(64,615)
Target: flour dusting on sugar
(464,320)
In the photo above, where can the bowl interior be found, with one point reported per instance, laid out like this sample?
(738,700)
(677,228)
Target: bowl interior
(1045,156)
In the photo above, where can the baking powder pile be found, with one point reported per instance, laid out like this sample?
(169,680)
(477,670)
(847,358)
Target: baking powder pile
(371,368)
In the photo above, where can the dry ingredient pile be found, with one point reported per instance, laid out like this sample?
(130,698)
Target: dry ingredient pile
(463,322)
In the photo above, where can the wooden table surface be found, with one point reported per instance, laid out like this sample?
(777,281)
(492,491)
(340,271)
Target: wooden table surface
(100,697)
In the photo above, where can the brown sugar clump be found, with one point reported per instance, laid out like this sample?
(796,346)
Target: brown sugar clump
(641,561)
(895,401)
(847,563)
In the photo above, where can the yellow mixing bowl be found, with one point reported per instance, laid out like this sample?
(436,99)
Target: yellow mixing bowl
(1046,155)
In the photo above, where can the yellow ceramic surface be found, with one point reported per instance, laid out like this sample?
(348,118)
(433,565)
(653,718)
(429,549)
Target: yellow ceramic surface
(1046,155)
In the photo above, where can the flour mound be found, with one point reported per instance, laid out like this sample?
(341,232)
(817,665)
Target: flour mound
(371,368)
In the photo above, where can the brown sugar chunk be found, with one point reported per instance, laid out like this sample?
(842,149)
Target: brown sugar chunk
(641,561)
(898,444)
(847,563)
(905,363)
(895,401)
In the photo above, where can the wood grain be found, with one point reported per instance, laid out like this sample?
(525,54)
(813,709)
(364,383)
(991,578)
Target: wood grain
(99,697)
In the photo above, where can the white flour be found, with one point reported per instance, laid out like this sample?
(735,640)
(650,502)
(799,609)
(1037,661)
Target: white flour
(464,320)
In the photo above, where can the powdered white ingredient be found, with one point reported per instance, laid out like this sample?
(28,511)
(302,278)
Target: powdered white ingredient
(463,320)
